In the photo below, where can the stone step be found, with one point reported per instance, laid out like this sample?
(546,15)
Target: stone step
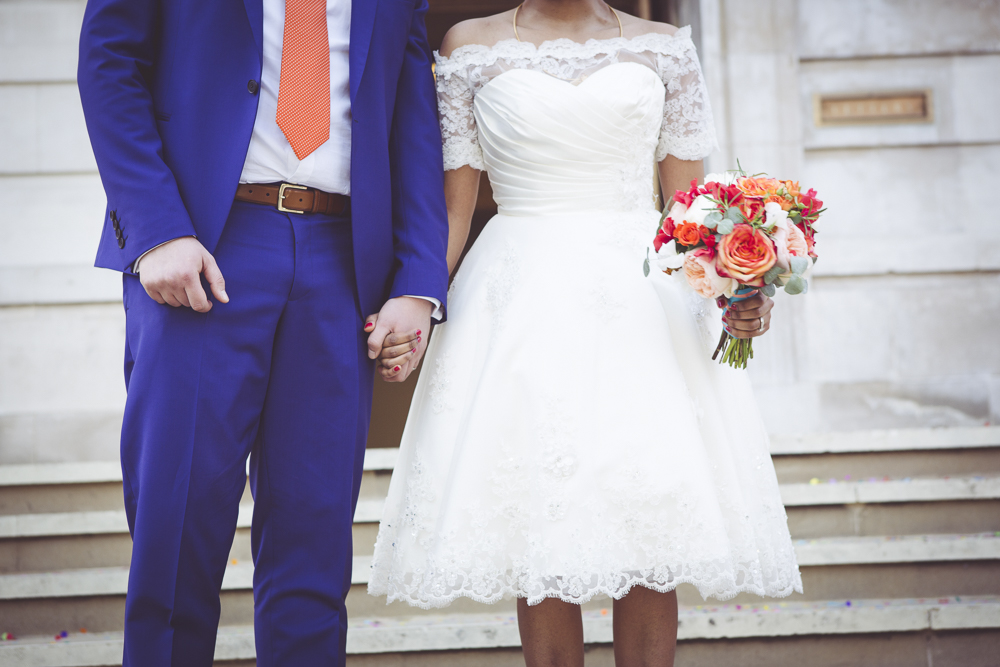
(91,582)
(456,632)
(931,566)
(898,440)
(888,440)
(369,510)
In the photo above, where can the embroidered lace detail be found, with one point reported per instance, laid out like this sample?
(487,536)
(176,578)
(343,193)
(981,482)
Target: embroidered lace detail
(643,532)
(441,383)
(608,304)
(703,311)
(500,286)
(687,131)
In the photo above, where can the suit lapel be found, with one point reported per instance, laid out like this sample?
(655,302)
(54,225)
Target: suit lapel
(255,12)
(362,25)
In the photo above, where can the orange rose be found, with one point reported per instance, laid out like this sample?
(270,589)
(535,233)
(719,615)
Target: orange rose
(758,187)
(786,204)
(687,233)
(792,187)
(746,254)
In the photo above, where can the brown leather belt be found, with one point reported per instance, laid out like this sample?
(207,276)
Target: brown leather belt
(291,198)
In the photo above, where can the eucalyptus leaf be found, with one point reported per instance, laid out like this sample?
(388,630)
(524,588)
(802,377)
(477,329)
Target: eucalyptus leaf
(645,265)
(799,265)
(796,285)
(773,274)
(712,220)
(734,214)
(767,290)
(725,226)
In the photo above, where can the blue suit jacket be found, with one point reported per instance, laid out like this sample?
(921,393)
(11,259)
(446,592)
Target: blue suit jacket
(170,107)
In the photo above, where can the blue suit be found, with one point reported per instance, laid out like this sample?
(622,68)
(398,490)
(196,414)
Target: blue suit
(280,373)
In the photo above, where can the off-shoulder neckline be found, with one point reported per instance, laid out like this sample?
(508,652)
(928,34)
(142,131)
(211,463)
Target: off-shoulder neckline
(563,45)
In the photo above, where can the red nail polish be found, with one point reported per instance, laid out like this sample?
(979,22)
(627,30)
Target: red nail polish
(369,325)
(397,369)
(419,332)
(413,351)
(419,339)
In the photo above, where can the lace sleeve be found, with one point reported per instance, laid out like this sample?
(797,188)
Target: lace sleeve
(459,136)
(688,131)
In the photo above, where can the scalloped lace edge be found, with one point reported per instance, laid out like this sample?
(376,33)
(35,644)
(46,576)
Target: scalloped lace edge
(509,591)
(481,55)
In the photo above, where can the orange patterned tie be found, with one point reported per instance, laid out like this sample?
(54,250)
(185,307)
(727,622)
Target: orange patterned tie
(304,87)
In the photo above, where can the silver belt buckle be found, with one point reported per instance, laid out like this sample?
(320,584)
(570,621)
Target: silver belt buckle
(281,197)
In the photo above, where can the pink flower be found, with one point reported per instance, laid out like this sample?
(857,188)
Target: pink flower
(699,269)
(789,241)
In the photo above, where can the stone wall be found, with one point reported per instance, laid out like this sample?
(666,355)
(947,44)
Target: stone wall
(61,321)
(899,327)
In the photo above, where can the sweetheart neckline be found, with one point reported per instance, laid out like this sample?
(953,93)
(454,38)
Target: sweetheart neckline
(568,83)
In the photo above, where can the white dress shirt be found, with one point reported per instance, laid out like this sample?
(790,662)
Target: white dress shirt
(270,158)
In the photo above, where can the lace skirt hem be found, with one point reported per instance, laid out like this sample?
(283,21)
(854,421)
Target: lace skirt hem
(510,589)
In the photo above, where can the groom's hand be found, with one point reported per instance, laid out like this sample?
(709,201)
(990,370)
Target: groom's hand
(399,336)
(171,274)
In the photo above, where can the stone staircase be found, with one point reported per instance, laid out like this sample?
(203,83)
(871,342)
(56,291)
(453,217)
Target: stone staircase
(897,533)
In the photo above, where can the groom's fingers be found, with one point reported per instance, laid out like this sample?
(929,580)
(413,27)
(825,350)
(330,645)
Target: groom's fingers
(376,340)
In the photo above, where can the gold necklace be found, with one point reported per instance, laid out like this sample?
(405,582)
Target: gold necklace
(621,31)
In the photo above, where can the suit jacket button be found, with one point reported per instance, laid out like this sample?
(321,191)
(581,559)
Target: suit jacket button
(252,87)
(118,233)
(121,242)
(114,216)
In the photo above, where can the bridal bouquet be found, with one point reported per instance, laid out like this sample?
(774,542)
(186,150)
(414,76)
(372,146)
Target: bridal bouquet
(734,235)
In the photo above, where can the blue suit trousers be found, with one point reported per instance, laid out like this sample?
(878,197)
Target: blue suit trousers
(279,374)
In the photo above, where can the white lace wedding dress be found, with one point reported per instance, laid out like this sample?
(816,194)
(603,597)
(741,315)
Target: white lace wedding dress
(569,435)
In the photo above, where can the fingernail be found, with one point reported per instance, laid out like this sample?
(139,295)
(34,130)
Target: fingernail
(413,351)
(419,339)
(369,326)
(419,332)
(397,369)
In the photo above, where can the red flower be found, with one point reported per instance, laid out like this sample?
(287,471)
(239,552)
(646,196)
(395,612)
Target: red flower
(687,197)
(809,204)
(662,238)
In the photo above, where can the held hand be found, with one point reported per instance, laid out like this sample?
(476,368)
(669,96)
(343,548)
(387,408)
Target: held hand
(399,336)
(750,317)
(171,274)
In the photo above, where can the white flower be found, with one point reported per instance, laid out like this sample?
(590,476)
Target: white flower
(774,214)
(725,178)
(677,212)
(667,257)
(699,209)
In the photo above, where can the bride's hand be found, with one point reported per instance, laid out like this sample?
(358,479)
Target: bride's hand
(399,352)
(749,318)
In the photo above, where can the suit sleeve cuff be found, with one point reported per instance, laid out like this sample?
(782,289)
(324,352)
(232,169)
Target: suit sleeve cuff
(135,264)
